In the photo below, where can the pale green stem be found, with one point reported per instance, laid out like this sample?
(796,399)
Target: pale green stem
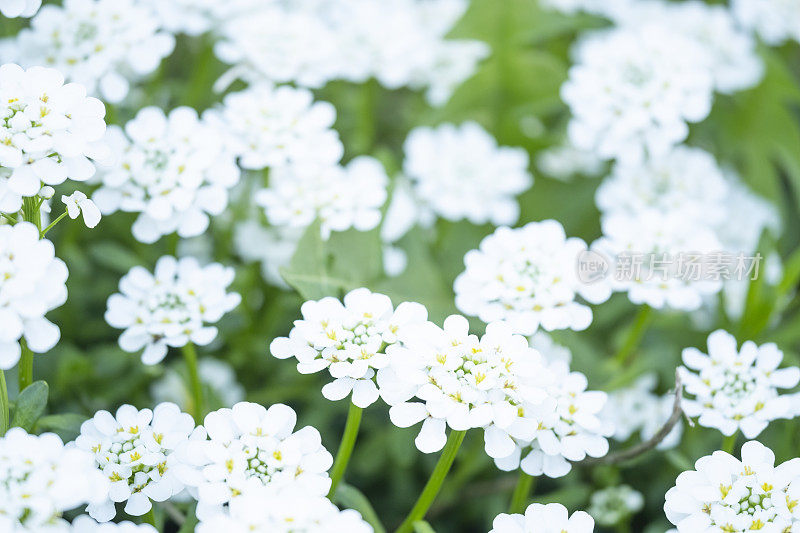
(522,491)
(5,420)
(729,443)
(634,337)
(25,366)
(52,225)
(346,446)
(190,356)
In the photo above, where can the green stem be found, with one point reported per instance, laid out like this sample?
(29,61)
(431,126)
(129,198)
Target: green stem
(52,225)
(30,211)
(5,420)
(346,446)
(149,518)
(434,483)
(519,499)
(634,337)
(729,443)
(25,366)
(190,356)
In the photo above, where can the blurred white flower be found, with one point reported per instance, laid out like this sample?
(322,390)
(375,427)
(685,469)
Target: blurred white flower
(174,170)
(171,307)
(249,447)
(218,376)
(273,247)
(613,505)
(194,17)
(552,352)
(41,478)
(725,494)
(50,132)
(139,453)
(19,8)
(775,21)
(102,44)
(78,204)
(85,524)
(32,282)
(447,377)
(341,197)
(565,161)
(736,389)
(550,518)
(527,277)
(348,339)
(459,172)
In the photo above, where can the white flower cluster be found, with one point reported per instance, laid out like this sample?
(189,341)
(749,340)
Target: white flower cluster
(459,172)
(139,453)
(349,339)
(614,505)
(40,479)
(19,8)
(174,170)
(85,524)
(102,44)
(50,132)
(194,17)
(171,307)
(550,518)
(725,494)
(341,197)
(737,390)
(251,447)
(32,282)
(527,277)
(775,21)
(564,161)
(399,42)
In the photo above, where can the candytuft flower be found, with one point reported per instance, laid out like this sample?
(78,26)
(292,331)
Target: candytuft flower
(550,518)
(78,204)
(19,8)
(85,524)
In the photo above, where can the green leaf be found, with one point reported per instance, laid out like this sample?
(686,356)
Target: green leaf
(423,527)
(350,497)
(30,405)
(66,425)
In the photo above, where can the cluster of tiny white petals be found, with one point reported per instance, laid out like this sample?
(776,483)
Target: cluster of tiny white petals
(399,42)
(341,197)
(565,427)
(271,126)
(40,478)
(447,377)
(171,307)
(139,453)
(250,447)
(527,277)
(459,172)
(637,409)
(85,524)
(32,282)
(19,8)
(261,511)
(565,161)
(726,494)
(550,518)
(50,132)
(737,389)
(775,21)
(194,17)
(174,170)
(102,44)
(350,339)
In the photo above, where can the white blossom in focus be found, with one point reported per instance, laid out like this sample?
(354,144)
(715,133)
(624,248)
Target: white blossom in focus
(775,21)
(171,307)
(32,282)
(85,524)
(174,170)
(538,518)
(40,479)
(736,389)
(101,44)
(349,339)
(78,204)
(726,494)
(461,173)
(19,8)
(527,277)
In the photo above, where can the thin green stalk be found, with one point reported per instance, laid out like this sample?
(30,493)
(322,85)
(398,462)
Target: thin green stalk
(5,420)
(729,443)
(434,483)
(346,446)
(52,225)
(190,356)
(522,491)
(30,211)
(25,366)
(635,335)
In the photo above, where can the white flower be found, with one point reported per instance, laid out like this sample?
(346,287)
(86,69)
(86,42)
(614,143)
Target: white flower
(447,377)
(342,197)
(545,345)
(217,376)
(775,21)
(194,17)
(461,173)
(725,494)
(50,132)
(273,247)
(527,277)
(736,389)
(550,518)
(261,511)
(565,161)
(633,90)
(19,8)
(172,307)
(272,126)
(251,447)
(78,204)
(349,340)
(139,453)
(612,505)
(174,170)
(41,479)
(85,524)
(32,282)
(565,427)
(102,44)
